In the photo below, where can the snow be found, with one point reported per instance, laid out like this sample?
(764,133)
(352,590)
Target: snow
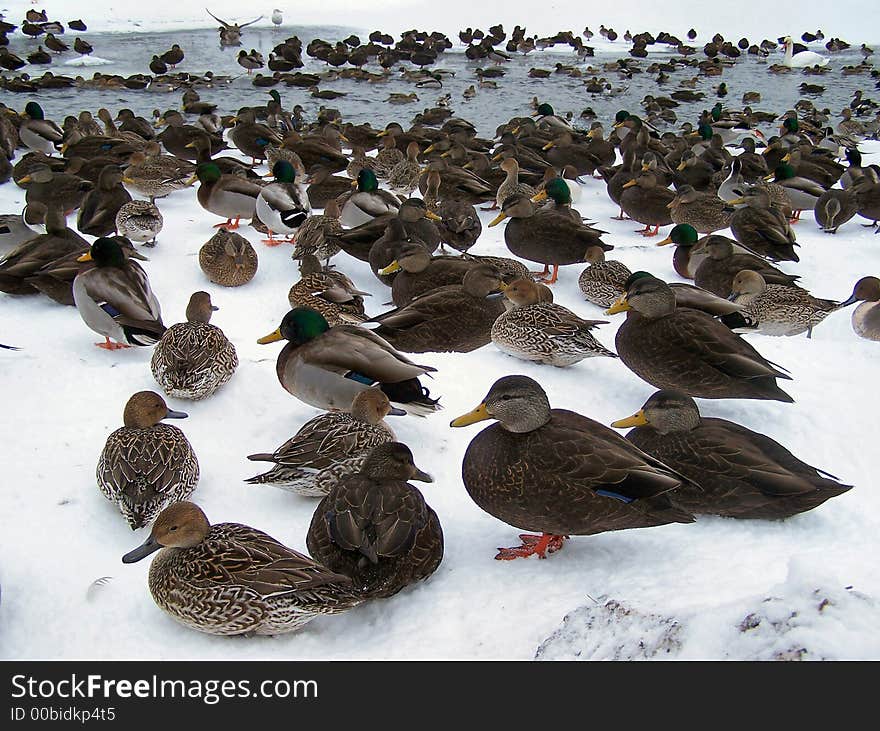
(678,591)
(83,61)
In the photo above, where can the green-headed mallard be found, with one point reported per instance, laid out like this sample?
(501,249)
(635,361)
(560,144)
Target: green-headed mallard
(777,309)
(742,473)
(537,330)
(368,202)
(725,259)
(146,465)
(329,447)
(115,299)
(194,358)
(38,133)
(866,317)
(326,367)
(762,228)
(228,259)
(559,473)
(139,221)
(231,579)
(97,215)
(545,236)
(705,212)
(687,349)
(376,527)
(456,318)
(802,192)
(327,291)
(282,206)
(557,192)
(227,196)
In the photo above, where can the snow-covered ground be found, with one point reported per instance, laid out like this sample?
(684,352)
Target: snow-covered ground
(63,396)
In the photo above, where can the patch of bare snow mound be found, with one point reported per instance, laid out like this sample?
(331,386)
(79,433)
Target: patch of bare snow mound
(803,618)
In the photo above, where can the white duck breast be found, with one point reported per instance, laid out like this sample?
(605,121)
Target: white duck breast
(40,136)
(283,207)
(363,207)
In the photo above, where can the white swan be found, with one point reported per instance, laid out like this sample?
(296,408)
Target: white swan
(802,59)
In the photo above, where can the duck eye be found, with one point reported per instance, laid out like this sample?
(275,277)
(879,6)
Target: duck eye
(173,528)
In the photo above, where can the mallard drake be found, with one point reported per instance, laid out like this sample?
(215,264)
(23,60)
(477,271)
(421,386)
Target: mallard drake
(687,349)
(38,133)
(776,309)
(834,208)
(251,137)
(687,255)
(230,579)
(545,236)
(376,527)
(557,192)
(329,447)
(549,121)
(155,175)
(327,291)
(282,206)
(55,189)
(228,259)
(454,318)
(146,465)
(511,186)
(705,212)
(724,260)
(559,473)
(317,234)
(646,201)
(194,358)
(544,332)
(763,228)
(368,202)
(326,367)
(602,282)
(802,192)
(866,317)
(16,228)
(374,240)
(742,473)
(403,178)
(33,254)
(97,215)
(226,195)
(115,299)
(139,221)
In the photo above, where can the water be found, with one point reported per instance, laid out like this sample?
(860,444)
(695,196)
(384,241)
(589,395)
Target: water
(130,53)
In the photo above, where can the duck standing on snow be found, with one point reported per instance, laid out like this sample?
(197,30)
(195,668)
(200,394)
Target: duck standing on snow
(146,465)
(228,196)
(115,299)
(282,206)
(231,579)
(367,202)
(139,221)
(194,358)
(38,133)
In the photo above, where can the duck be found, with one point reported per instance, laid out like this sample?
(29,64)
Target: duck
(403,178)
(802,192)
(686,349)
(251,137)
(704,212)
(97,215)
(548,120)
(155,175)
(777,309)
(329,447)
(230,579)
(687,255)
(459,225)
(178,137)
(325,187)
(645,200)
(374,240)
(38,133)
(317,234)
(724,259)
(139,221)
(16,228)
(743,474)
(194,358)
(457,183)
(454,318)
(375,527)
(834,208)
(602,281)
(866,317)
(327,291)
(545,236)
(28,258)
(389,156)
(325,367)
(368,202)
(282,206)
(559,473)
(228,259)
(226,196)
(146,465)
(115,298)
(511,186)
(544,332)
(55,189)
(761,227)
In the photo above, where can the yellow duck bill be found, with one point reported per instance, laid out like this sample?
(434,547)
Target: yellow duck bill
(472,417)
(272,337)
(637,419)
